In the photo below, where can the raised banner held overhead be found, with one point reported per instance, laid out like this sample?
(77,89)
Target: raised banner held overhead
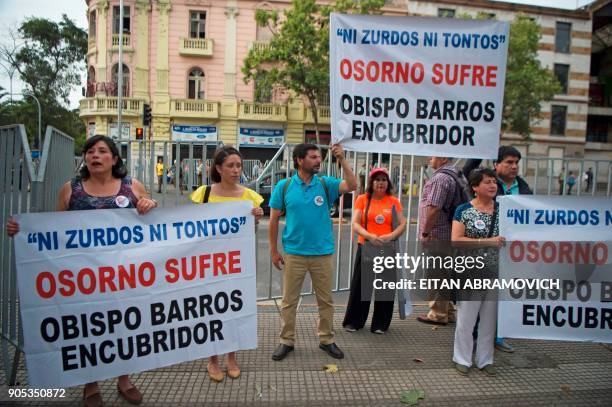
(421,86)
(110,292)
(567,239)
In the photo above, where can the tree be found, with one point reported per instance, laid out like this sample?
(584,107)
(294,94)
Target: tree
(527,82)
(52,57)
(297,57)
(49,58)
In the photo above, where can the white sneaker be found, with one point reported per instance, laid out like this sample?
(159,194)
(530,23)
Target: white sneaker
(379,331)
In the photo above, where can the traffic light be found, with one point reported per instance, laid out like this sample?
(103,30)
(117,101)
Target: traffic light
(146,115)
(139,133)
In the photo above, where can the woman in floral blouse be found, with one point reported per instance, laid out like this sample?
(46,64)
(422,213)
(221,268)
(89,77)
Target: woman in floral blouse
(476,221)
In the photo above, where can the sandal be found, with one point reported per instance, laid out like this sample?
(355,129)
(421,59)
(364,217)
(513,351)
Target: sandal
(424,319)
(215,377)
(131,394)
(93,399)
(233,373)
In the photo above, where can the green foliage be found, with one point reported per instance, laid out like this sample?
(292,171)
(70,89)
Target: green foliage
(52,58)
(297,57)
(49,61)
(527,82)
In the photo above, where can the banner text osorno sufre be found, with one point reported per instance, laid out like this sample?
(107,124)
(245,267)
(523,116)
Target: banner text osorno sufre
(436,89)
(119,293)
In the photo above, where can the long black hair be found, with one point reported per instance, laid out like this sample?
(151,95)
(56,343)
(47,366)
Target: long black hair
(118,170)
(370,188)
(219,158)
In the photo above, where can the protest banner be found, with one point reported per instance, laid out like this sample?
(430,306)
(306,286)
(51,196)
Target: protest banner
(108,292)
(422,86)
(566,239)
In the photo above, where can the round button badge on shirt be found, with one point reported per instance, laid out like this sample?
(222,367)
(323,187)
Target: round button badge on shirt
(318,200)
(122,201)
(479,224)
(379,219)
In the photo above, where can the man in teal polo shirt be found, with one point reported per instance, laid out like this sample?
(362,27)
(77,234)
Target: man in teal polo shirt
(308,241)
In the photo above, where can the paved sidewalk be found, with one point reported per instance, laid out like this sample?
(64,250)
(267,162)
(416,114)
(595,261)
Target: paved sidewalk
(376,369)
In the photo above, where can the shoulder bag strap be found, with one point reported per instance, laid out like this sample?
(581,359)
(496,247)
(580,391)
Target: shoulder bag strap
(493,220)
(285,188)
(367,209)
(326,192)
(207,190)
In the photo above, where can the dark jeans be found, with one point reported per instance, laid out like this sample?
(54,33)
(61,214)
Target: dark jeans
(357,309)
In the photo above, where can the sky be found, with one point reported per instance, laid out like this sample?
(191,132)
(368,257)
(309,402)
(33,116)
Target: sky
(14,11)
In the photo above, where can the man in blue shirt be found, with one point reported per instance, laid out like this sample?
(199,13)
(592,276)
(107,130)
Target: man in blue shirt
(308,241)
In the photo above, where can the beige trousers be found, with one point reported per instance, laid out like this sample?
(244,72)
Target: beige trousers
(321,272)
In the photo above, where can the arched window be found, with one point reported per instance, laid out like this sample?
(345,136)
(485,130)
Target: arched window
(126,80)
(195,86)
(91,82)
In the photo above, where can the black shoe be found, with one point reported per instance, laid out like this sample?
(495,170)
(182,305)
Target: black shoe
(332,350)
(281,351)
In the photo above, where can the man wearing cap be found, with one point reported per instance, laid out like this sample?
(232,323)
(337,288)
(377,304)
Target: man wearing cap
(308,243)
(435,226)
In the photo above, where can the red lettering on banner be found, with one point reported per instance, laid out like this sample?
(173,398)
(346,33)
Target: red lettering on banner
(559,252)
(454,74)
(40,279)
(219,264)
(234,262)
(190,268)
(105,279)
(65,279)
(382,71)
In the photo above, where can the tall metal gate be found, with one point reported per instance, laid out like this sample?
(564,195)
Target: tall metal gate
(25,186)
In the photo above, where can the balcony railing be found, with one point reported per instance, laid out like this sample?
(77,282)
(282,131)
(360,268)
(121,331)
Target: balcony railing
(126,40)
(260,45)
(108,106)
(323,114)
(194,108)
(196,46)
(257,111)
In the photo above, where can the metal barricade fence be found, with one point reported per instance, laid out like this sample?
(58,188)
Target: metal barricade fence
(24,189)
(180,160)
(408,174)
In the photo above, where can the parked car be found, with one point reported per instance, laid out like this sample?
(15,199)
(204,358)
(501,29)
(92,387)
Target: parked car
(265,188)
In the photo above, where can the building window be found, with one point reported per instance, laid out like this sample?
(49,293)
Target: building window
(446,12)
(563,37)
(562,75)
(126,19)
(323,99)
(195,87)
(197,24)
(92,25)
(126,80)
(90,91)
(557,120)
(263,91)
